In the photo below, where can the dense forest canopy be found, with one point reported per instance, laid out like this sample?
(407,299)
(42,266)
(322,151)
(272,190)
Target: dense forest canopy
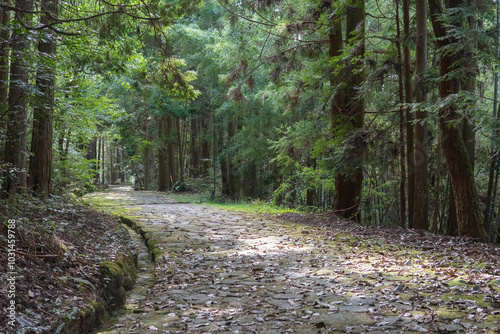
(384,112)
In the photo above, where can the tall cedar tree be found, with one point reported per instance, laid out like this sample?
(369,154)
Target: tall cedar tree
(458,161)
(4,65)
(15,146)
(421,202)
(40,168)
(348,108)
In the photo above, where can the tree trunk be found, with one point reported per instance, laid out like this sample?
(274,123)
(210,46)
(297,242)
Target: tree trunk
(195,148)
(15,147)
(421,201)
(233,192)
(147,167)
(206,127)
(349,113)
(454,148)
(112,163)
(402,159)
(410,146)
(146,156)
(103,165)
(99,160)
(162,177)
(172,164)
(119,163)
(180,149)
(4,71)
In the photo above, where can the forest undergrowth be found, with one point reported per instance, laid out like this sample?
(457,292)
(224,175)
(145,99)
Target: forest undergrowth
(59,247)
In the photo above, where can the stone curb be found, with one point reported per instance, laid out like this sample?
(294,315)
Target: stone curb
(120,275)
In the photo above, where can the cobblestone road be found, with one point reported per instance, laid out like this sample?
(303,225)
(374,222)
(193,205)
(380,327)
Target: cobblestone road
(224,272)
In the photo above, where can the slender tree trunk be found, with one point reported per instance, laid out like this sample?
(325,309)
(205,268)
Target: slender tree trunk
(15,147)
(180,149)
(103,165)
(402,166)
(350,112)
(93,156)
(172,164)
(224,166)
(311,191)
(119,163)
(4,72)
(147,167)
(206,126)
(195,148)
(421,201)
(162,177)
(99,160)
(112,163)
(251,180)
(233,177)
(454,148)
(437,197)
(410,146)
(147,157)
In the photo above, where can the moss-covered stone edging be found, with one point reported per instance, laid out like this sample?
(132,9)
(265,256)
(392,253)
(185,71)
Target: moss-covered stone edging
(120,276)
(150,244)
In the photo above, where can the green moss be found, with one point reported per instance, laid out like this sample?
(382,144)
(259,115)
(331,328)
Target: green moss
(477,298)
(397,278)
(127,266)
(456,282)
(154,253)
(448,314)
(110,205)
(113,275)
(100,312)
(113,272)
(493,318)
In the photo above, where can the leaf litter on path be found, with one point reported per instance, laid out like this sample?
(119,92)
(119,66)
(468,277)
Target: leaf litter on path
(229,272)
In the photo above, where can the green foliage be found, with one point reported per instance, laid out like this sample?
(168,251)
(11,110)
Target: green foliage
(176,83)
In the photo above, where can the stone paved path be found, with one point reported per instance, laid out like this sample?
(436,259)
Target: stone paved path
(225,272)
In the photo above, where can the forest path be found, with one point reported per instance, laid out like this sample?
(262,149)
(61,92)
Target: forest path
(220,271)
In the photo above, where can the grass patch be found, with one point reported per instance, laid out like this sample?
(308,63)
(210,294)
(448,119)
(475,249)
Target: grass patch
(254,206)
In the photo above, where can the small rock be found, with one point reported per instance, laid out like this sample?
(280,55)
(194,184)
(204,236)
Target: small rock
(420,329)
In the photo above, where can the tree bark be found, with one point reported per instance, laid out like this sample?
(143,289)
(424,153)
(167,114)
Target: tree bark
(195,148)
(15,146)
(421,201)
(99,160)
(4,71)
(206,126)
(410,141)
(454,148)
(180,149)
(402,159)
(162,177)
(172,163)
(40,167)
(233,177)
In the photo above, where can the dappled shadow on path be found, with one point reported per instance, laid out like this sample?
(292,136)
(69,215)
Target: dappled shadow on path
(225,272)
